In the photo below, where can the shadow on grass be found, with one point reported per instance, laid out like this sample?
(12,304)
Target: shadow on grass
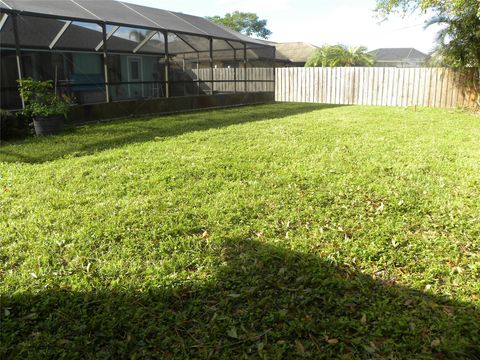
(263,301)
(98,137)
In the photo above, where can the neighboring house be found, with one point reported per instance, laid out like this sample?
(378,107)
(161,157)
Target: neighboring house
(399,57)
(293,54)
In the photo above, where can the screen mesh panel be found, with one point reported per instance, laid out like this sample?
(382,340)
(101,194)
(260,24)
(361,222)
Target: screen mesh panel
(129,15)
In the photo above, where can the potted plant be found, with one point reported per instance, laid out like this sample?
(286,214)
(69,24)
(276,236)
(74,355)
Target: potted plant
(47,109)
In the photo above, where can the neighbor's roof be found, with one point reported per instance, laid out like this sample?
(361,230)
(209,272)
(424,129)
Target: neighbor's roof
(398,54)
(295,51)
(125,14)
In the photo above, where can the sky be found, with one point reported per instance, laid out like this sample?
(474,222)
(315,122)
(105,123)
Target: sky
(319,22)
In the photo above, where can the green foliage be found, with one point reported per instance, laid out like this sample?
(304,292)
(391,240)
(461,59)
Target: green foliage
(340,55)
(326,56)
(276,232)
(245,23)
(453,50)
(40,100)
(455,7)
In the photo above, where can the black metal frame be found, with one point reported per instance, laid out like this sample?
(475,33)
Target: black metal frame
(18,53)
(105,53)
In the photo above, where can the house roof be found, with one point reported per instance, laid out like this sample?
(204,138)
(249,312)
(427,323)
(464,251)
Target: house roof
(124,14)
(398,54)
(294,51)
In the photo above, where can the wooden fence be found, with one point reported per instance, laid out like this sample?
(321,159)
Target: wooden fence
(258,79)
(431,87)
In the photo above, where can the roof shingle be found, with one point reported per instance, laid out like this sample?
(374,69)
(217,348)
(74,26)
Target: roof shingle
(398,54)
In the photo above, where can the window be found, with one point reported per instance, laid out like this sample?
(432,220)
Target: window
(134,70)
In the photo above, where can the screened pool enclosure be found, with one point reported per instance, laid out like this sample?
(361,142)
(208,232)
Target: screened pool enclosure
(107,51)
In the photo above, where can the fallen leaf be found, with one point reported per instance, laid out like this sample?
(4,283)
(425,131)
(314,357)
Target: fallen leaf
(260,346)
(435,343)
(233,333)
(300,347)
(332,341)
(31,316)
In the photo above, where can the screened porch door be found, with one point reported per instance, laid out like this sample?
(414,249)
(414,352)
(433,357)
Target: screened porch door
(134,66)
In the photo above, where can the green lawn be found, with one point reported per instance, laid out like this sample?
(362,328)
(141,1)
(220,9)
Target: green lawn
(274,232)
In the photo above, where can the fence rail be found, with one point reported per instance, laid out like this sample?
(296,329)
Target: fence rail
(431,87)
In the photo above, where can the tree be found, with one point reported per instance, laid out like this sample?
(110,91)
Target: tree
(457,45)
(358,56)
(340,55)
(245,23)
(324,56)
(457,7)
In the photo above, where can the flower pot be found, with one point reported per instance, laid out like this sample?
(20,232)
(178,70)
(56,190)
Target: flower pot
(50,125)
